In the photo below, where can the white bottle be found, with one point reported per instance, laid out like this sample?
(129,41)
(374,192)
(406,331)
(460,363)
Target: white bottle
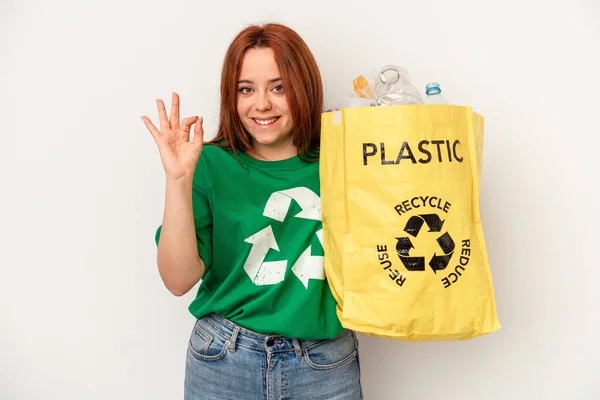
(434,96)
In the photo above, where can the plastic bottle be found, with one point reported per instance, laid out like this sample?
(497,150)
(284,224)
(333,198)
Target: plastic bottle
(434,96)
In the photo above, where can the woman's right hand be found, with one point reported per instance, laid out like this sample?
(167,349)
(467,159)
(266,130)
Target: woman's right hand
(179,155)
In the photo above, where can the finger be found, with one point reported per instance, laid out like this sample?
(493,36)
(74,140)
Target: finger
(162,115)
(186,127)
(199,133)
(155,132)
(174,112)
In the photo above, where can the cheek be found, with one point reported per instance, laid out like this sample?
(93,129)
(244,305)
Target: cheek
(242,107)
(283,107)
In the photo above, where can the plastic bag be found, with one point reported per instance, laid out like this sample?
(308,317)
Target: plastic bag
(389,85)
(405,254)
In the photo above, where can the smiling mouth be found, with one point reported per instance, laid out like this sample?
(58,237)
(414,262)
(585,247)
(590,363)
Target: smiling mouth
(266,122)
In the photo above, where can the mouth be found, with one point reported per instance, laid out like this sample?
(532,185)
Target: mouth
(262,122)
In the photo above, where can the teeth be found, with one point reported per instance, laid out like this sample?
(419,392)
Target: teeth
(266,121)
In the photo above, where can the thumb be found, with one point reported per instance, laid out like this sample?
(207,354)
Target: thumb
(199,133)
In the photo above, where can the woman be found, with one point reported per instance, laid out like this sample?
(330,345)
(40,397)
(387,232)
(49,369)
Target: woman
(243,214)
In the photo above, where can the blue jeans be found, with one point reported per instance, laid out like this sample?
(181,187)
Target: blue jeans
(226,361)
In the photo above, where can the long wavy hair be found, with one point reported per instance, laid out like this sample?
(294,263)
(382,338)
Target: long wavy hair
(301,78)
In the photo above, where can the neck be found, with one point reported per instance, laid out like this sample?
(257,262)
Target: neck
(271,153)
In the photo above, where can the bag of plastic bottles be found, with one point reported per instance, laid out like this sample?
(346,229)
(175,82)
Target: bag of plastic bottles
(405,254)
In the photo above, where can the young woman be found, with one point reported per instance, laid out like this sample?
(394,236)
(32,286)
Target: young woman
(243,214)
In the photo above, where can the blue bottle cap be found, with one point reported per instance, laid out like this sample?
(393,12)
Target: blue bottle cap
(432,88)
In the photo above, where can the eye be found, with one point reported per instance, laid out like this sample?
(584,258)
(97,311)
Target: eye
(245,90)
(278,89)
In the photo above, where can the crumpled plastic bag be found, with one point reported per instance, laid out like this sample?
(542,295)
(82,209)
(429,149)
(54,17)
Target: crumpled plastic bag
(388,85)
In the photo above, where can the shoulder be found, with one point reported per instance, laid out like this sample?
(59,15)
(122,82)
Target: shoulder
(214,163)
(214,156)
(210,156)
(211,151)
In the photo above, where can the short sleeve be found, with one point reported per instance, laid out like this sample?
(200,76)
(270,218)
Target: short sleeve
(202,217)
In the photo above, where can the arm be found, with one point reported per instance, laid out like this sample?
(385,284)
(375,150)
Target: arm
(179,264)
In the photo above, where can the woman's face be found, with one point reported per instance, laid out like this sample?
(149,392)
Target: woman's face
(262,106)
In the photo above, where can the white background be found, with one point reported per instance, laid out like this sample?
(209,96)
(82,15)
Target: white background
(83,312)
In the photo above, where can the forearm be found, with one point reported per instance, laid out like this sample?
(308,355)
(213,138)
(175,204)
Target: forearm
(179,264)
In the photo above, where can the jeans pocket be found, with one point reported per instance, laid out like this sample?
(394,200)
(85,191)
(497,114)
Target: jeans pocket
(331,353)
(204,345)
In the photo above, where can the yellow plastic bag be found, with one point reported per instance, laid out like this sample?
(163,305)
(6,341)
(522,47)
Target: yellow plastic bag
(405,255)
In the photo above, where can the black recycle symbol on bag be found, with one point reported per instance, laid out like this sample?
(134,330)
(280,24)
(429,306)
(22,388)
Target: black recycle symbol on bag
(437,262)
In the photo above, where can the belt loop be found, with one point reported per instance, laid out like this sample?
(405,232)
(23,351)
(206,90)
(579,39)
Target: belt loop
(297,347)
(233,340)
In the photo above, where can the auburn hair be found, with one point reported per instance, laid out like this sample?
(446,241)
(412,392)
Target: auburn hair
(300,76)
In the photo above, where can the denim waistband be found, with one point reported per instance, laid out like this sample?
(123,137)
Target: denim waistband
(239,336)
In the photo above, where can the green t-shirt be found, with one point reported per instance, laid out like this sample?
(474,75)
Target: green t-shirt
(259,233)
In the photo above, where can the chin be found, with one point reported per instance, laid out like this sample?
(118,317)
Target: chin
(270,138)
(266,141)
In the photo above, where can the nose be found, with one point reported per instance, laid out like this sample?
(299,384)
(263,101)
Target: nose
(263,102)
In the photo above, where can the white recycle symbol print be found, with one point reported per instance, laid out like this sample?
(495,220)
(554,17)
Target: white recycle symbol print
(307,266)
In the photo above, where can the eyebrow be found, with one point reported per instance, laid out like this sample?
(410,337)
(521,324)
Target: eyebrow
(248,81)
